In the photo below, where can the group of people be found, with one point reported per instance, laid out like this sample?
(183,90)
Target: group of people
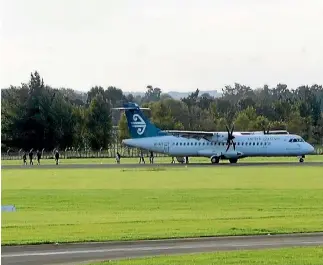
(141,158)
(38,155)
(118,157)
(151,158)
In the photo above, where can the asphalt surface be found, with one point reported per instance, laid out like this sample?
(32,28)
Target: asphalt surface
(90,166)
(84,253)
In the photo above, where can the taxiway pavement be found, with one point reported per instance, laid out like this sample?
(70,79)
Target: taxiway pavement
(88,252)
(64,165)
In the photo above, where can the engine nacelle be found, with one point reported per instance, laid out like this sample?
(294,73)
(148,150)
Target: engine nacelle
(208,153)
(220,136)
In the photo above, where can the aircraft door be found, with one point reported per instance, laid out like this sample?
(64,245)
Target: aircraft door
(166,147)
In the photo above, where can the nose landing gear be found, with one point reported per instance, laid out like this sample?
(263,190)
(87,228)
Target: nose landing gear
(301,159)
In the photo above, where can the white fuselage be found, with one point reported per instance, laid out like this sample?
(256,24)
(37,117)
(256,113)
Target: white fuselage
(246,146)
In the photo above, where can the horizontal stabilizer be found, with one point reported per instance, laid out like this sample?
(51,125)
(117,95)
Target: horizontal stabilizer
(131,108)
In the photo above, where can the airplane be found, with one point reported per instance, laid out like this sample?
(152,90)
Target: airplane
(214,145)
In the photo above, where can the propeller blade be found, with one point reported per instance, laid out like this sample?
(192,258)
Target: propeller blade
(226,126)
(232,130)
(228,147)
(234,145)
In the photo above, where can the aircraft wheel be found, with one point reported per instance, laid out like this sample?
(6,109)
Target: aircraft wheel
(301,160)
(233,160)
(215,160)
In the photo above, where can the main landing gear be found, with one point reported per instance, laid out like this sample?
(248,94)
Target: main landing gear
(233,160)
(215,160)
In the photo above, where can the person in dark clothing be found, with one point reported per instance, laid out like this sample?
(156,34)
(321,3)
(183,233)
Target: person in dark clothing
(38,157)
(56,157)
(31,154)
(142,157)
(24,158)
(118,156)
(151,157)
(186,159)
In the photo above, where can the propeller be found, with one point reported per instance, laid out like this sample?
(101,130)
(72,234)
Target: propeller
(230,138)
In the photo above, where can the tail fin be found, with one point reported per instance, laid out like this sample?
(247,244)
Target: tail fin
(138,124)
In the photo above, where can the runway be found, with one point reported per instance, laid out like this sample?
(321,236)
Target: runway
(64,165)
(87,252)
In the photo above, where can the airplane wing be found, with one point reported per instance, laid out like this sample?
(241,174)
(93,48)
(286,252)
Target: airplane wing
(199,133)
(193,134)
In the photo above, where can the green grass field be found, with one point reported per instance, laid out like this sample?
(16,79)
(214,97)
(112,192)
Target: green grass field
(284,256)
(69,205)
(314,158)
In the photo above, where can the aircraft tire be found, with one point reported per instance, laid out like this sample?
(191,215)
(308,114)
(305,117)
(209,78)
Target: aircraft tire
(233,160)
(215,160)
(301,160)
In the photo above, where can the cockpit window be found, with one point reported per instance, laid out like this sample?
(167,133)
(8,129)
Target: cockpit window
(296,140)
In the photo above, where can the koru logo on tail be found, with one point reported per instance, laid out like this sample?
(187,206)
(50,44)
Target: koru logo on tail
(138,123)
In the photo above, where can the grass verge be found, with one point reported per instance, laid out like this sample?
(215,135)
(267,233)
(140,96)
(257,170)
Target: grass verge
(284,256)
(123,204)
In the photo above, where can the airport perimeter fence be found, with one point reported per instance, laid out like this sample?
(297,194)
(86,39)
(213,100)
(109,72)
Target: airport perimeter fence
(74,154)
(70,153)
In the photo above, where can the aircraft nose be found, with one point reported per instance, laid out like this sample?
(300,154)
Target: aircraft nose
(310,149)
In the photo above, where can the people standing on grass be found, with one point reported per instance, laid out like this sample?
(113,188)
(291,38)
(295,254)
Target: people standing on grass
(56,156)
(141,157)
(151,158)
(38,154)
(118,156)
(173,160)
(24,158)
(31,154)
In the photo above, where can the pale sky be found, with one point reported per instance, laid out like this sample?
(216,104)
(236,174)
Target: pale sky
(173,44)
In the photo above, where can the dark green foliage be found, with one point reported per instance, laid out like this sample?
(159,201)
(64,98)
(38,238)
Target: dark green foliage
(37,116)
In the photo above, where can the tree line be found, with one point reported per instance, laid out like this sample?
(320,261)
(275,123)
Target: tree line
(35,115)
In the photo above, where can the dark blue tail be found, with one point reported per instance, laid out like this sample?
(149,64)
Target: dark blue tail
(139,126)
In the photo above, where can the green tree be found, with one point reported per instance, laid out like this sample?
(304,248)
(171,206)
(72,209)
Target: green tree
(123,128)
(99,123)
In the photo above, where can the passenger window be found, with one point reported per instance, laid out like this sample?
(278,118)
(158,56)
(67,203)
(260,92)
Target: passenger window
(257,143)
